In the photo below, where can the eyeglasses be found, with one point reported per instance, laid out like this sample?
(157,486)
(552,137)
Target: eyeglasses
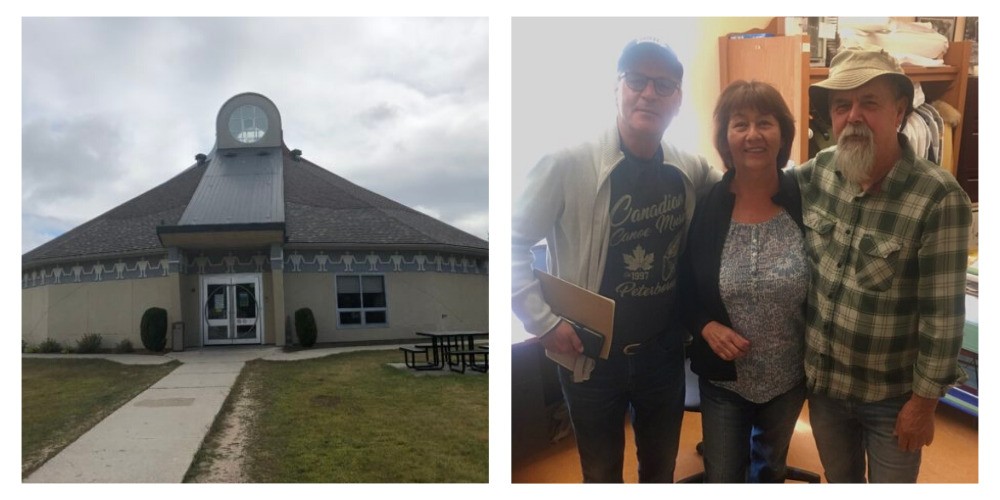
(663,86)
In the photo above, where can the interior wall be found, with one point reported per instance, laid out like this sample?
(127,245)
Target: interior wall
(564,78)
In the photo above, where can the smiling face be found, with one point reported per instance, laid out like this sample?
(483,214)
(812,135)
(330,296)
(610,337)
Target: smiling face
(754,140)
(644,115)
(752,126)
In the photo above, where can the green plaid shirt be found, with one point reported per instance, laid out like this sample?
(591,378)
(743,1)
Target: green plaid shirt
(886,303)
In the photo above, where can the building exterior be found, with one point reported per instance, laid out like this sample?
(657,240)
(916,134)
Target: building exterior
(232,246)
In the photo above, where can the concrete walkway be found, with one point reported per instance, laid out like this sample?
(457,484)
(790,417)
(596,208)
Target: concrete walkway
(153,438)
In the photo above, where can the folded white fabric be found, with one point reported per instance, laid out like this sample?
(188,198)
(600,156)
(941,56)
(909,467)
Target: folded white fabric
(910,43)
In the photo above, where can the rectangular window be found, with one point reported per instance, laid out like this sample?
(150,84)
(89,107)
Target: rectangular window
(361,300)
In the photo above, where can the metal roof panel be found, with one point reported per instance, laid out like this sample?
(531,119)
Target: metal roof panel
(240,186)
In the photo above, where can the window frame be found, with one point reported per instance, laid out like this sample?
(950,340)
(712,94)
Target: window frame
(361,309)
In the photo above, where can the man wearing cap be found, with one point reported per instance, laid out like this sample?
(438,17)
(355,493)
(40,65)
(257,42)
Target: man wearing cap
(887,240)
(614,214)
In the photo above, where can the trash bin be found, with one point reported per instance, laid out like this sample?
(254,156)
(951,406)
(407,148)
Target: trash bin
(177,334)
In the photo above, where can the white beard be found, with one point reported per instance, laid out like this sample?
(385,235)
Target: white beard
(855,154)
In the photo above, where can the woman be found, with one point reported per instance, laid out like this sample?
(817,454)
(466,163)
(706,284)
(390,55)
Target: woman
(745,283)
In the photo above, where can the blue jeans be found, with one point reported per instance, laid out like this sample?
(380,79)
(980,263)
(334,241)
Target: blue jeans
(649,385)
(848,432)
(746,441)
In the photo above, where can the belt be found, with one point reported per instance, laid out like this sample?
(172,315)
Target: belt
(637,347)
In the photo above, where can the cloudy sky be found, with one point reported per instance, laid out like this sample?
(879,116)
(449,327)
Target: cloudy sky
(112,107)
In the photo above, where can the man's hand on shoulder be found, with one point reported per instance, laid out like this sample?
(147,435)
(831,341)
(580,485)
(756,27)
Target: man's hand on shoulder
(562,339)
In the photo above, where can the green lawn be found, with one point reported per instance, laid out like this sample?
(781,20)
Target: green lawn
(63,398)
(350,418)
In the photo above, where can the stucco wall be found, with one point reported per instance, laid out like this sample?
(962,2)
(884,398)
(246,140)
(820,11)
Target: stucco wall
(190,298)
(66,312)
(35,314)
(416,301)
(266,286)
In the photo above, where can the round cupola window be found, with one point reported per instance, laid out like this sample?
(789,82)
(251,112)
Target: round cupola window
(248,124)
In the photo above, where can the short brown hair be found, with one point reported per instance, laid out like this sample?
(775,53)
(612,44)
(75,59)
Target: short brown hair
(763,98)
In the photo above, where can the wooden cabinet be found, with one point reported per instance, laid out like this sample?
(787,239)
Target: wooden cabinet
(783,61)
(968,161)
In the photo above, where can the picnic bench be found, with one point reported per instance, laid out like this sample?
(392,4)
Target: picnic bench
(457,349)
(469,358)
(410,357)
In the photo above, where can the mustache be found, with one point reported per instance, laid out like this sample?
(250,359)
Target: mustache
(858,130)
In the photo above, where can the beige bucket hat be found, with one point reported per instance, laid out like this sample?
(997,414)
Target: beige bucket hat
(852,68)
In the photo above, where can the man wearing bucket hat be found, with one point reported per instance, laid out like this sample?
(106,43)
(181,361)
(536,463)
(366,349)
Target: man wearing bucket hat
(614,214)
(887,240)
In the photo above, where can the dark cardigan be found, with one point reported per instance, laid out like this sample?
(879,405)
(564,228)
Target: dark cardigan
(699,273)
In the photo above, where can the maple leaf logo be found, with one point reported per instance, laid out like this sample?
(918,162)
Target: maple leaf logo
(639,260)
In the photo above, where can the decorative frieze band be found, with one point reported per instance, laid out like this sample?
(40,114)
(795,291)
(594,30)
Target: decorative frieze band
(296,261)
(383,262)
(153,266)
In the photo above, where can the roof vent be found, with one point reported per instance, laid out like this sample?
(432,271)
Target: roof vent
(296,154)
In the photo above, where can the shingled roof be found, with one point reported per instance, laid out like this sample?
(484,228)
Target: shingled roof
(321,208)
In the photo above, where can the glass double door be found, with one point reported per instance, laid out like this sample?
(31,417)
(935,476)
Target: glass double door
(232,309)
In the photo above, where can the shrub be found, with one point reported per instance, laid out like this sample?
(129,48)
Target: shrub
(49,346)
(24,345)
(305,326)
(153,329)
(89,343)
(123,347)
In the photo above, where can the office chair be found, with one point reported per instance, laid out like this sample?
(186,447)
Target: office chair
(692,403)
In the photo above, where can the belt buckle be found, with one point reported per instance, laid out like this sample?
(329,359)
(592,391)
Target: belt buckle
(631,349)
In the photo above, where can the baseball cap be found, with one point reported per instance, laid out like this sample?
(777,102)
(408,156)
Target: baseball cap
(639,47)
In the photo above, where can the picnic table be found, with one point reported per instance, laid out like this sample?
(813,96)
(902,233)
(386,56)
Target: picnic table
(457,349)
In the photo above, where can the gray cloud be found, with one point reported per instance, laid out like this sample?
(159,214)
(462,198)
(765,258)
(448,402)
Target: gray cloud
(73,161)
(114,106)
(375,115)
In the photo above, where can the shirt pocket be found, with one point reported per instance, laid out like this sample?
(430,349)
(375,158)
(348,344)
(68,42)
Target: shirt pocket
(878,256)
(819,232)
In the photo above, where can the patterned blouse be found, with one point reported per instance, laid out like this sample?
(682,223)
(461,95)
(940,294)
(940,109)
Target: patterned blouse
(763,281)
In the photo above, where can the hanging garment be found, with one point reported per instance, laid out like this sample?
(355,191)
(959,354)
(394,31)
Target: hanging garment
(933,132)
(940,129)
(951,118)
(917,133)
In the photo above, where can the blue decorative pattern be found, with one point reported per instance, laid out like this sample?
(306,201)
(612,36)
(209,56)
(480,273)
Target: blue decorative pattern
(149,266)
(318,261)
(383,262)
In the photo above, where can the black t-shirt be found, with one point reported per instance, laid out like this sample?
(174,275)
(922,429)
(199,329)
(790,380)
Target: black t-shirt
(647,224)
